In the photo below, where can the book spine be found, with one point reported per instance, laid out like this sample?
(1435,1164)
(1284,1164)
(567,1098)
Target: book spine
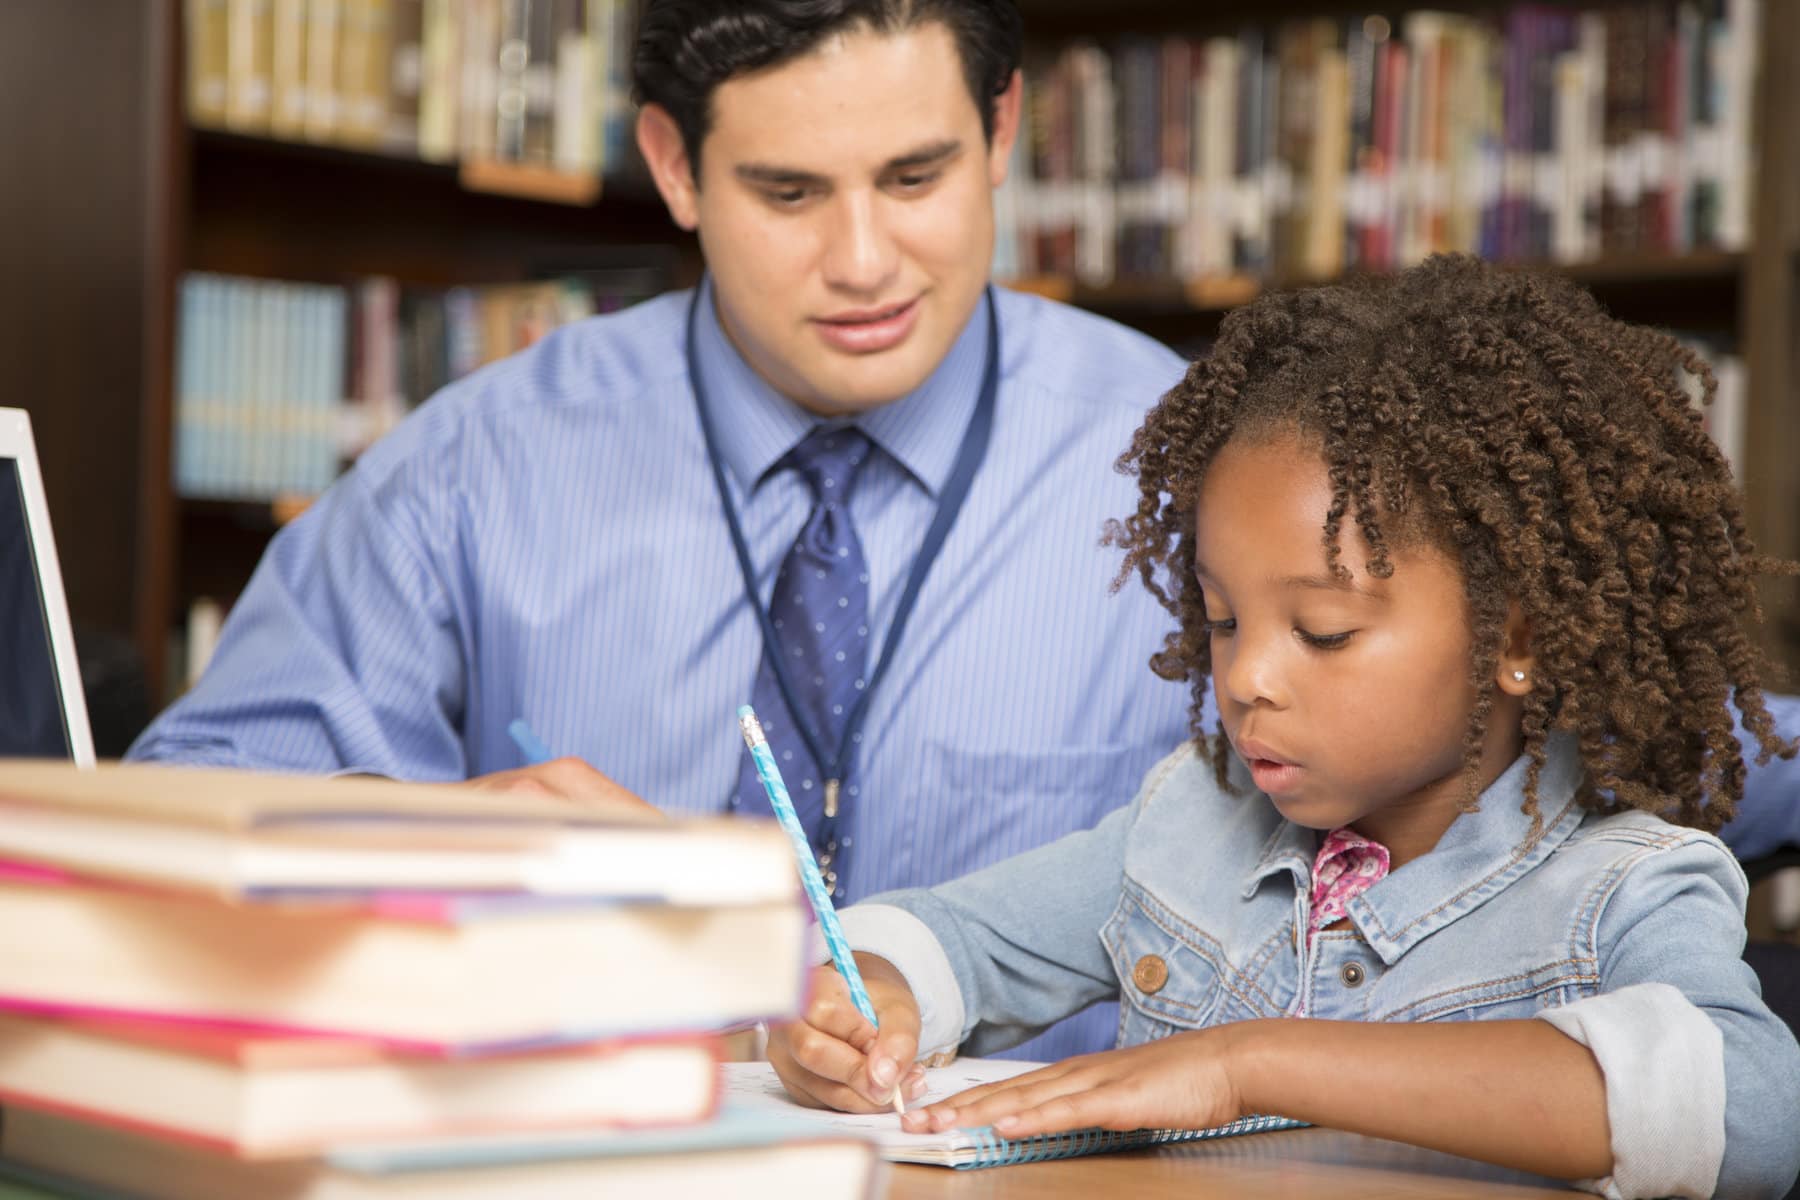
(287,99)
(440,88)
(206,24)
(248,64)
(404,102)
(323,21)
(575,126)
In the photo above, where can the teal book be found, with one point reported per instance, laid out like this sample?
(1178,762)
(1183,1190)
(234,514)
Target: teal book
(754,1087)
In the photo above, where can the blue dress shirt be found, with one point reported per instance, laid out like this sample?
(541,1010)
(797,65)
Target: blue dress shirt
(543,540)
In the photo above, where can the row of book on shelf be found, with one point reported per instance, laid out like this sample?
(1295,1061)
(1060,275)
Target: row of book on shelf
(1536,132)
(278,384)
(542,82)
(221,985)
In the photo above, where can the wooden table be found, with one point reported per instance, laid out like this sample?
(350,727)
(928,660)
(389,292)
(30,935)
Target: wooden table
(1292,1163)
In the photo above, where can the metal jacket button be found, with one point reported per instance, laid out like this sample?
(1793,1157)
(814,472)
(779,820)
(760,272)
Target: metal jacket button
(1150,973)
(1352,974)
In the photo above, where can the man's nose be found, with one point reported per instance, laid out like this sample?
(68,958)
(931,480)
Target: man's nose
(860,255)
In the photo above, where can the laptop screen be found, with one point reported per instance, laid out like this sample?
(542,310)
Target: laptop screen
(31,702)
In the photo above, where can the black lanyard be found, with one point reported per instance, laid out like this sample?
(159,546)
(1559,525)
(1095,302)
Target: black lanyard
(950,502)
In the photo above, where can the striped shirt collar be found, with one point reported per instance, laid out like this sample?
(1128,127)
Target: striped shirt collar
(922,430)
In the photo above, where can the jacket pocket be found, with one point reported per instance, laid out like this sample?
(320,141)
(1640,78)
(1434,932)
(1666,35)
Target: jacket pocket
(1171,974)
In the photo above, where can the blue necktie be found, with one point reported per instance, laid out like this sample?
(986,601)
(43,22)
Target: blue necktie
(820,610)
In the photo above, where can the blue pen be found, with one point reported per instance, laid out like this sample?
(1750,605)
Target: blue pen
(810,879)
(529,744)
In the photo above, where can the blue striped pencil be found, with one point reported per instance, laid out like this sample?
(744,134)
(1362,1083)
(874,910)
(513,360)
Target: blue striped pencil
(810,879)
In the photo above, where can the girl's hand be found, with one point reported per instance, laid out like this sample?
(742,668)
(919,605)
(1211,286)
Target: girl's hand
(1180,1082)
(833,1057)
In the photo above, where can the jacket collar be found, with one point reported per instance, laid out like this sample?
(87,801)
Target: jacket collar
(1480,855)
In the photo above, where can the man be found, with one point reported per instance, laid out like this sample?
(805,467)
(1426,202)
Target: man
(558,537)
(547,539)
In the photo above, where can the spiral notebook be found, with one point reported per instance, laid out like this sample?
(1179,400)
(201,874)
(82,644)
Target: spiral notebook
(755,1086)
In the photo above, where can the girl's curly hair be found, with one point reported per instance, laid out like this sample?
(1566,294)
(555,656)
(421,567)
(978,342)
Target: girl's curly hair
(1553,451)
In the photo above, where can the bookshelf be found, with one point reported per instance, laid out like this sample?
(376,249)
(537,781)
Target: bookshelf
(129,196)
(1728,281)
(126,197)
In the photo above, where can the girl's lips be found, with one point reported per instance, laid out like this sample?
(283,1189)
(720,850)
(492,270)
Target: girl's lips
(1275,778)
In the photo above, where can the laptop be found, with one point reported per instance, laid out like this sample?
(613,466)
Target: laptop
(42,711)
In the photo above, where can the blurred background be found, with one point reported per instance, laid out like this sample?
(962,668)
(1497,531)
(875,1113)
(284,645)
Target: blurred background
(242,238)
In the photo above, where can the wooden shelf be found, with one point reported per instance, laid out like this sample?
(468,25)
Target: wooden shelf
(1218,294)
(297,211)
(264,516)
(520,181)
(530,183)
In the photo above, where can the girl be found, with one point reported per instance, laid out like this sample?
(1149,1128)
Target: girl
(1468,582)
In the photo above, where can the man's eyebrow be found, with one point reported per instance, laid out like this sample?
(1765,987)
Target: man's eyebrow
(770,175)
(927,155)
(773,176)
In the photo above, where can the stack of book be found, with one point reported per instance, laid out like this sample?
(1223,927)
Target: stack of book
(1534,132)
(539,82)
(215,984)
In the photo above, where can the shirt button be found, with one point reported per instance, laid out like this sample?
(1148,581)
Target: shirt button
(1352,974)
(1150,973)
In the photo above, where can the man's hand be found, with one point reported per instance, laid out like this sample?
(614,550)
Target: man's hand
(833,1057)
(570,779)
(1179,1082)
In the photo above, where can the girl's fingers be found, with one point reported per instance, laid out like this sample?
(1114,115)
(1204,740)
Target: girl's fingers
(984,1105)
(816,1091)
(1029,1079)
(833,1012)
(1076,1110)
(820,1053)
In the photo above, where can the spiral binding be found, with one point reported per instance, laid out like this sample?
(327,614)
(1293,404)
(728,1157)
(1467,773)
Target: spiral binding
(992,1150)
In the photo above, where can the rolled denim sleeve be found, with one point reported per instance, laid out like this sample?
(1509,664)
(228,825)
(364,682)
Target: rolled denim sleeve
(1699,1057)
(1021,938)
(908,943)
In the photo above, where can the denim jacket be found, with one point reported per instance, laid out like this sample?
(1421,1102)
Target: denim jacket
(1199,902)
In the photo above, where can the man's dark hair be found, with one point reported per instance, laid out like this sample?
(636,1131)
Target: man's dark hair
(687,48)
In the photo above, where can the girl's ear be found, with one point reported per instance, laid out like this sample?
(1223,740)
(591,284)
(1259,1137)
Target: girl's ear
(1513,672)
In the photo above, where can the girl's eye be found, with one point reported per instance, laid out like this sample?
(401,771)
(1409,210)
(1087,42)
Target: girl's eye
(1224,627)
(1325,641)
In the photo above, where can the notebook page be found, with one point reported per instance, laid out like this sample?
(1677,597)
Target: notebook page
(754,1085)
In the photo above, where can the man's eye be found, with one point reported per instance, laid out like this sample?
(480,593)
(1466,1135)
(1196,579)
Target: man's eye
(787,197)
(914,183)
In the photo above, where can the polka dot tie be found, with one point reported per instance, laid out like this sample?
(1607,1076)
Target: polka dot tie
(820,609)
